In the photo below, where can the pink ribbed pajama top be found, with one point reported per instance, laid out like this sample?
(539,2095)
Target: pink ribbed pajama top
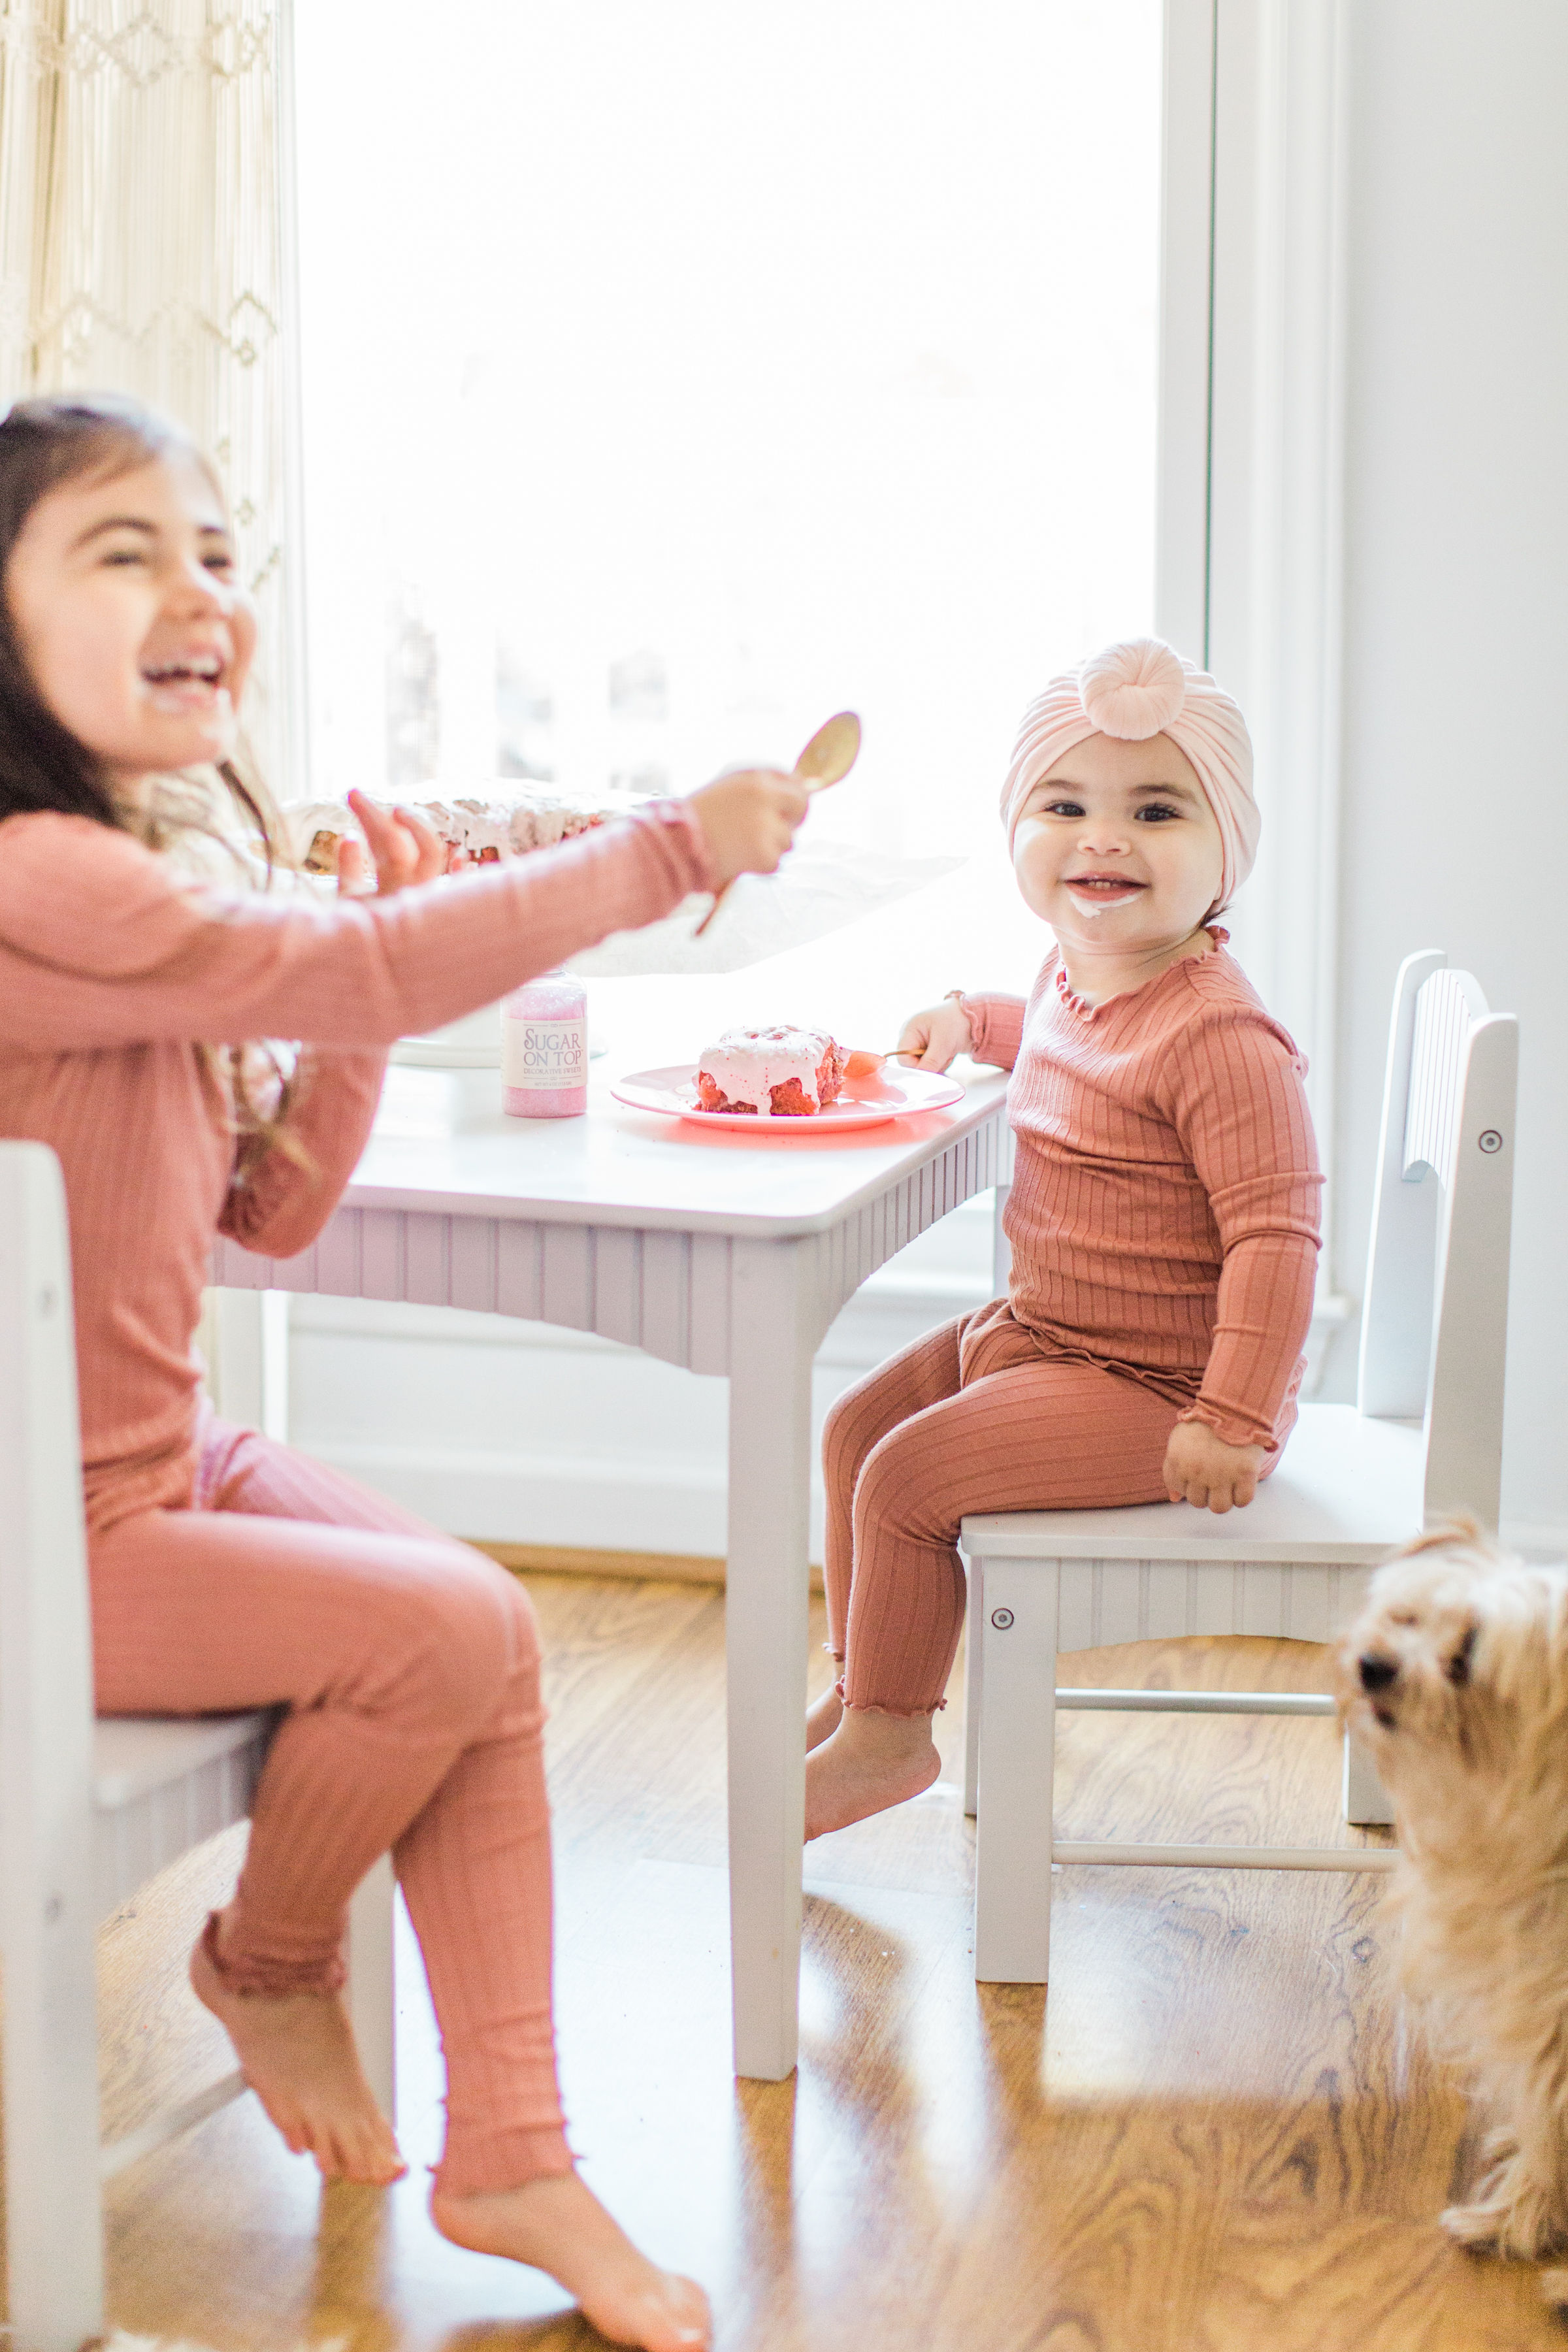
(226,1572)
(1163,1224)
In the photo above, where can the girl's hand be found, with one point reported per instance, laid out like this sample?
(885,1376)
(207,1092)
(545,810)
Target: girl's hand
(1202,1469)
(748,818)
(404,849)
(938,1035)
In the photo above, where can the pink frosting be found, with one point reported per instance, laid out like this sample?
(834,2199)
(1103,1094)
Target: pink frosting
(746,1064)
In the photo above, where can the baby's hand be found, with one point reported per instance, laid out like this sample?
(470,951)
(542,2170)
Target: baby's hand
(404,847)
(747,819)
(937,1036)
(1202,1469)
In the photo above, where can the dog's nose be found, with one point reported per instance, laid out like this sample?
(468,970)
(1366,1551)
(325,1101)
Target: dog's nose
(1376,1674)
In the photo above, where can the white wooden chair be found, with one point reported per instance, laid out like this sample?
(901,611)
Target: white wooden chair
(89,1811)
(1425,1438)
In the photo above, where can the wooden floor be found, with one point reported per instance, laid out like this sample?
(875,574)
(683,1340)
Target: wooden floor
(1213,2137)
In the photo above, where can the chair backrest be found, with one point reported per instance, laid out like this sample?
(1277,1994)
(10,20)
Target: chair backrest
(1434,1317)
(46,1676)
(44,1637)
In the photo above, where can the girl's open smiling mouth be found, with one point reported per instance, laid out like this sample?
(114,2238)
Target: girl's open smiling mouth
(184,683)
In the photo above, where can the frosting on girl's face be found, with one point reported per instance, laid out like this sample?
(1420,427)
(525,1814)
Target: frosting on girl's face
(125,596)
(1117,847)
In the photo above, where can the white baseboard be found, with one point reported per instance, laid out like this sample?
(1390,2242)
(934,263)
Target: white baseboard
(1536,1539)
(606,1502)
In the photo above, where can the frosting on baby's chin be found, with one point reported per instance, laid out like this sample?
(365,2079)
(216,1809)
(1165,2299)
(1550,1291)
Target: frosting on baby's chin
(747,1064)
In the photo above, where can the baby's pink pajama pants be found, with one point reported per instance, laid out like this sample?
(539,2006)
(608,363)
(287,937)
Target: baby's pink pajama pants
(410,1668)
(973,1417)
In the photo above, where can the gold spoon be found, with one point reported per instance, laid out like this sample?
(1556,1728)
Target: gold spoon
(826,759)
(864,1064)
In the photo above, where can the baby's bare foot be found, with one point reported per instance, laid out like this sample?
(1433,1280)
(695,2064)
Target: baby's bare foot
(870,1762)
(822,1718)
(559,2225)
(296,2052)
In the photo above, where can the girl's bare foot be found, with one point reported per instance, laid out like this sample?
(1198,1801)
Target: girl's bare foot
(559,2225)
(822,1718)
(296,2052)
(870,1762)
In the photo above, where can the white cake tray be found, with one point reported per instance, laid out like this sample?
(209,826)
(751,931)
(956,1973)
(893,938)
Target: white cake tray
(471,1044)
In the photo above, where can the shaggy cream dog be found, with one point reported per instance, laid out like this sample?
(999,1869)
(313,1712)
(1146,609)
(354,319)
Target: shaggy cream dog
(1455,1677)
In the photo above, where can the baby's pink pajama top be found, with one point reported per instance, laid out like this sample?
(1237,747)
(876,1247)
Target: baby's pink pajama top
(1164,1211)
(115,972)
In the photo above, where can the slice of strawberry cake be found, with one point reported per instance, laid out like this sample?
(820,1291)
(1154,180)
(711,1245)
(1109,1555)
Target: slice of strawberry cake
(778,1073)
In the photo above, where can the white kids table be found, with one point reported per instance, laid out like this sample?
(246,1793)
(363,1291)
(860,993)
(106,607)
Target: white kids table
(720,1251)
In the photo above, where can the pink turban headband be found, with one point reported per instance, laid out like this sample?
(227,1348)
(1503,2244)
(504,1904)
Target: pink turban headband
(1133,691)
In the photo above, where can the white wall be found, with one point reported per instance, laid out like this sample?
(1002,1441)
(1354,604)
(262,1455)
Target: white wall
(516,1432)
(1456,747)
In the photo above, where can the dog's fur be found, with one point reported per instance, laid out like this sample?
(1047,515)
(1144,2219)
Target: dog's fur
(1455,1677)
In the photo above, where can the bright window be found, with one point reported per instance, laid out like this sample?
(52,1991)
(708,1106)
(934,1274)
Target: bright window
(679,370)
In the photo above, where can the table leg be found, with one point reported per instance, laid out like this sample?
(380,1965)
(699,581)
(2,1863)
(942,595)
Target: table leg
(974,1668)
(245,1339)
(372,1987)
(1367,1802)
(771,1342)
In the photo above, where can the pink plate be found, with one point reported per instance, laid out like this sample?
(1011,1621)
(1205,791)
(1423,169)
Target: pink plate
(865,1102)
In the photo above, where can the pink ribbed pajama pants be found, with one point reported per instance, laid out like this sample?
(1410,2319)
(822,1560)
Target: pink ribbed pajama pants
(409,1666)
(973,1417)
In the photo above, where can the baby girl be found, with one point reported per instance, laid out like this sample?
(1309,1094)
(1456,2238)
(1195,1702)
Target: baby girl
(1164,1216)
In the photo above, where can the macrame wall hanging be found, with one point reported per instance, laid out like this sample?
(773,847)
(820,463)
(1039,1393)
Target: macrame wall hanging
(143,229)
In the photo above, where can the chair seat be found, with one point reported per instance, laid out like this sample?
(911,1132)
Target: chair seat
(161,1785)
(1348,1490)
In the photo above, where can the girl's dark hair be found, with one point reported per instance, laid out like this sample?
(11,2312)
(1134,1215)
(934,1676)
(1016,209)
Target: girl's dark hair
(44,443)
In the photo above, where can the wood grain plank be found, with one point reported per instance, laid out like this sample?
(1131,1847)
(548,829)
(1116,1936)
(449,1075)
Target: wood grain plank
(473,1262)
(427,1260)
(710,1348)
(567,1276)
(667,1295)
(300,1273)
(1075,1618)
(381,1253)
(617,1285)
(520,1282)
(338,1268)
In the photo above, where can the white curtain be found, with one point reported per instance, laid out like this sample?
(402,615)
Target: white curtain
(143,251)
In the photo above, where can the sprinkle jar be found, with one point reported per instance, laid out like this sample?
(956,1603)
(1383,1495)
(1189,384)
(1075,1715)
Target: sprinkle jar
(544,1048)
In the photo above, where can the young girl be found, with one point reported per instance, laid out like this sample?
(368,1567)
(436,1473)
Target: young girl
(228,1573)
(1164,1216)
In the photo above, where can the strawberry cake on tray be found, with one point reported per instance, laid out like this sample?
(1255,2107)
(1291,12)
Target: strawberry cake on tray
(778,1073)
(475,832)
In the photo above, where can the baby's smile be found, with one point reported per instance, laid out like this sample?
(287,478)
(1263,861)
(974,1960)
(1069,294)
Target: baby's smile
(1094,891)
